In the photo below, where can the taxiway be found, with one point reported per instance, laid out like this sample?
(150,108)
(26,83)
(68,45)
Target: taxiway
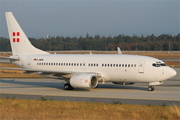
(168,93)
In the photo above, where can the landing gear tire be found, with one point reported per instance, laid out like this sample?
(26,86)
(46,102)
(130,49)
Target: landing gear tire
(96,86)
(150,88)
(67,86)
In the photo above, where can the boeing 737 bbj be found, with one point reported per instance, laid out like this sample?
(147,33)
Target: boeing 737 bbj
(83,71)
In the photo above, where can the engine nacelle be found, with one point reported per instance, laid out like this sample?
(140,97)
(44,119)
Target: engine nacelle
(83,81)
(124,83)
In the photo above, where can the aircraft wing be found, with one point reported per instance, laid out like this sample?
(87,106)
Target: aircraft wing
(65,74)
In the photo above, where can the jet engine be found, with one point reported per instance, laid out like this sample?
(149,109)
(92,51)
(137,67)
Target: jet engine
(124,83)
(84,81)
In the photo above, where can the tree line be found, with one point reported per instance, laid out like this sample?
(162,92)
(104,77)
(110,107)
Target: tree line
(164,42)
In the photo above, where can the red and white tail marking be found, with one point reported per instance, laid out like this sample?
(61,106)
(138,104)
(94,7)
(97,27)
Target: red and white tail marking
(15,35)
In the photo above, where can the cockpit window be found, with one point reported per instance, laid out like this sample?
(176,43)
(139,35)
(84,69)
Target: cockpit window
(158,64)
(154,64)
(163,64)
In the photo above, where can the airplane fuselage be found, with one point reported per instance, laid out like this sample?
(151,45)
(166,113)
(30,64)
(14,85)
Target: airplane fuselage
(114,68)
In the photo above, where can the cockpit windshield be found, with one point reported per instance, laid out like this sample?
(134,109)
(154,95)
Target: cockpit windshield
(158,64)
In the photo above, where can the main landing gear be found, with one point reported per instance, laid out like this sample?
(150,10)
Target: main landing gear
(67,86)
(151,88)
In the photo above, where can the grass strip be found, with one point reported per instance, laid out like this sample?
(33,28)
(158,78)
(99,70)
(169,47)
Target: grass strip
(65,110)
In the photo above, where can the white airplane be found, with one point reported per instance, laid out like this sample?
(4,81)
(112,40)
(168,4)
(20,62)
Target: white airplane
(84,71)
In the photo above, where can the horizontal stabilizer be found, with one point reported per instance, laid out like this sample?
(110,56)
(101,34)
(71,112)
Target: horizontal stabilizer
(10,58)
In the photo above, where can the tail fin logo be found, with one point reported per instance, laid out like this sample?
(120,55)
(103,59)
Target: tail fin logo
(15,35)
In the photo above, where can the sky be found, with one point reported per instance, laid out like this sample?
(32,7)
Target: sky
(75,18)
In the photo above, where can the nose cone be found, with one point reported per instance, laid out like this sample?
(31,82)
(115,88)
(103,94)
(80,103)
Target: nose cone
(171,73)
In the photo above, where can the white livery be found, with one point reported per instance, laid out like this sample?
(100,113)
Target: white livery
(84,71)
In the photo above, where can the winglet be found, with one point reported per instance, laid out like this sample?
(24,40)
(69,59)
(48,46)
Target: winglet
(119,50)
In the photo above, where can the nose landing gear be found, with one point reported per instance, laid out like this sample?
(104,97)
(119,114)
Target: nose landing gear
(151,88)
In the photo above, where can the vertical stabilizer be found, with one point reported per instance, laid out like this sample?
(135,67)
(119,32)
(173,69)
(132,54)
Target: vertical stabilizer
(20,44)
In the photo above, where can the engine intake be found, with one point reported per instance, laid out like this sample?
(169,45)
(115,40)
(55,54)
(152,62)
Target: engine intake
(84,81)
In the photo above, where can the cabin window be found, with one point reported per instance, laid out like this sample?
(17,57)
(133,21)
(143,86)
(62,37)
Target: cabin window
(131,65)
(96,64)
(77,64)
(122,65)
(128,65)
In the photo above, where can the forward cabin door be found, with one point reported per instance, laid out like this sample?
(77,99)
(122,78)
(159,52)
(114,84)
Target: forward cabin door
(141,66)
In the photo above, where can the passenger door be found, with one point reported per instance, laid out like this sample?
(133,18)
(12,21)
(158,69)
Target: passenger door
(141,66)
